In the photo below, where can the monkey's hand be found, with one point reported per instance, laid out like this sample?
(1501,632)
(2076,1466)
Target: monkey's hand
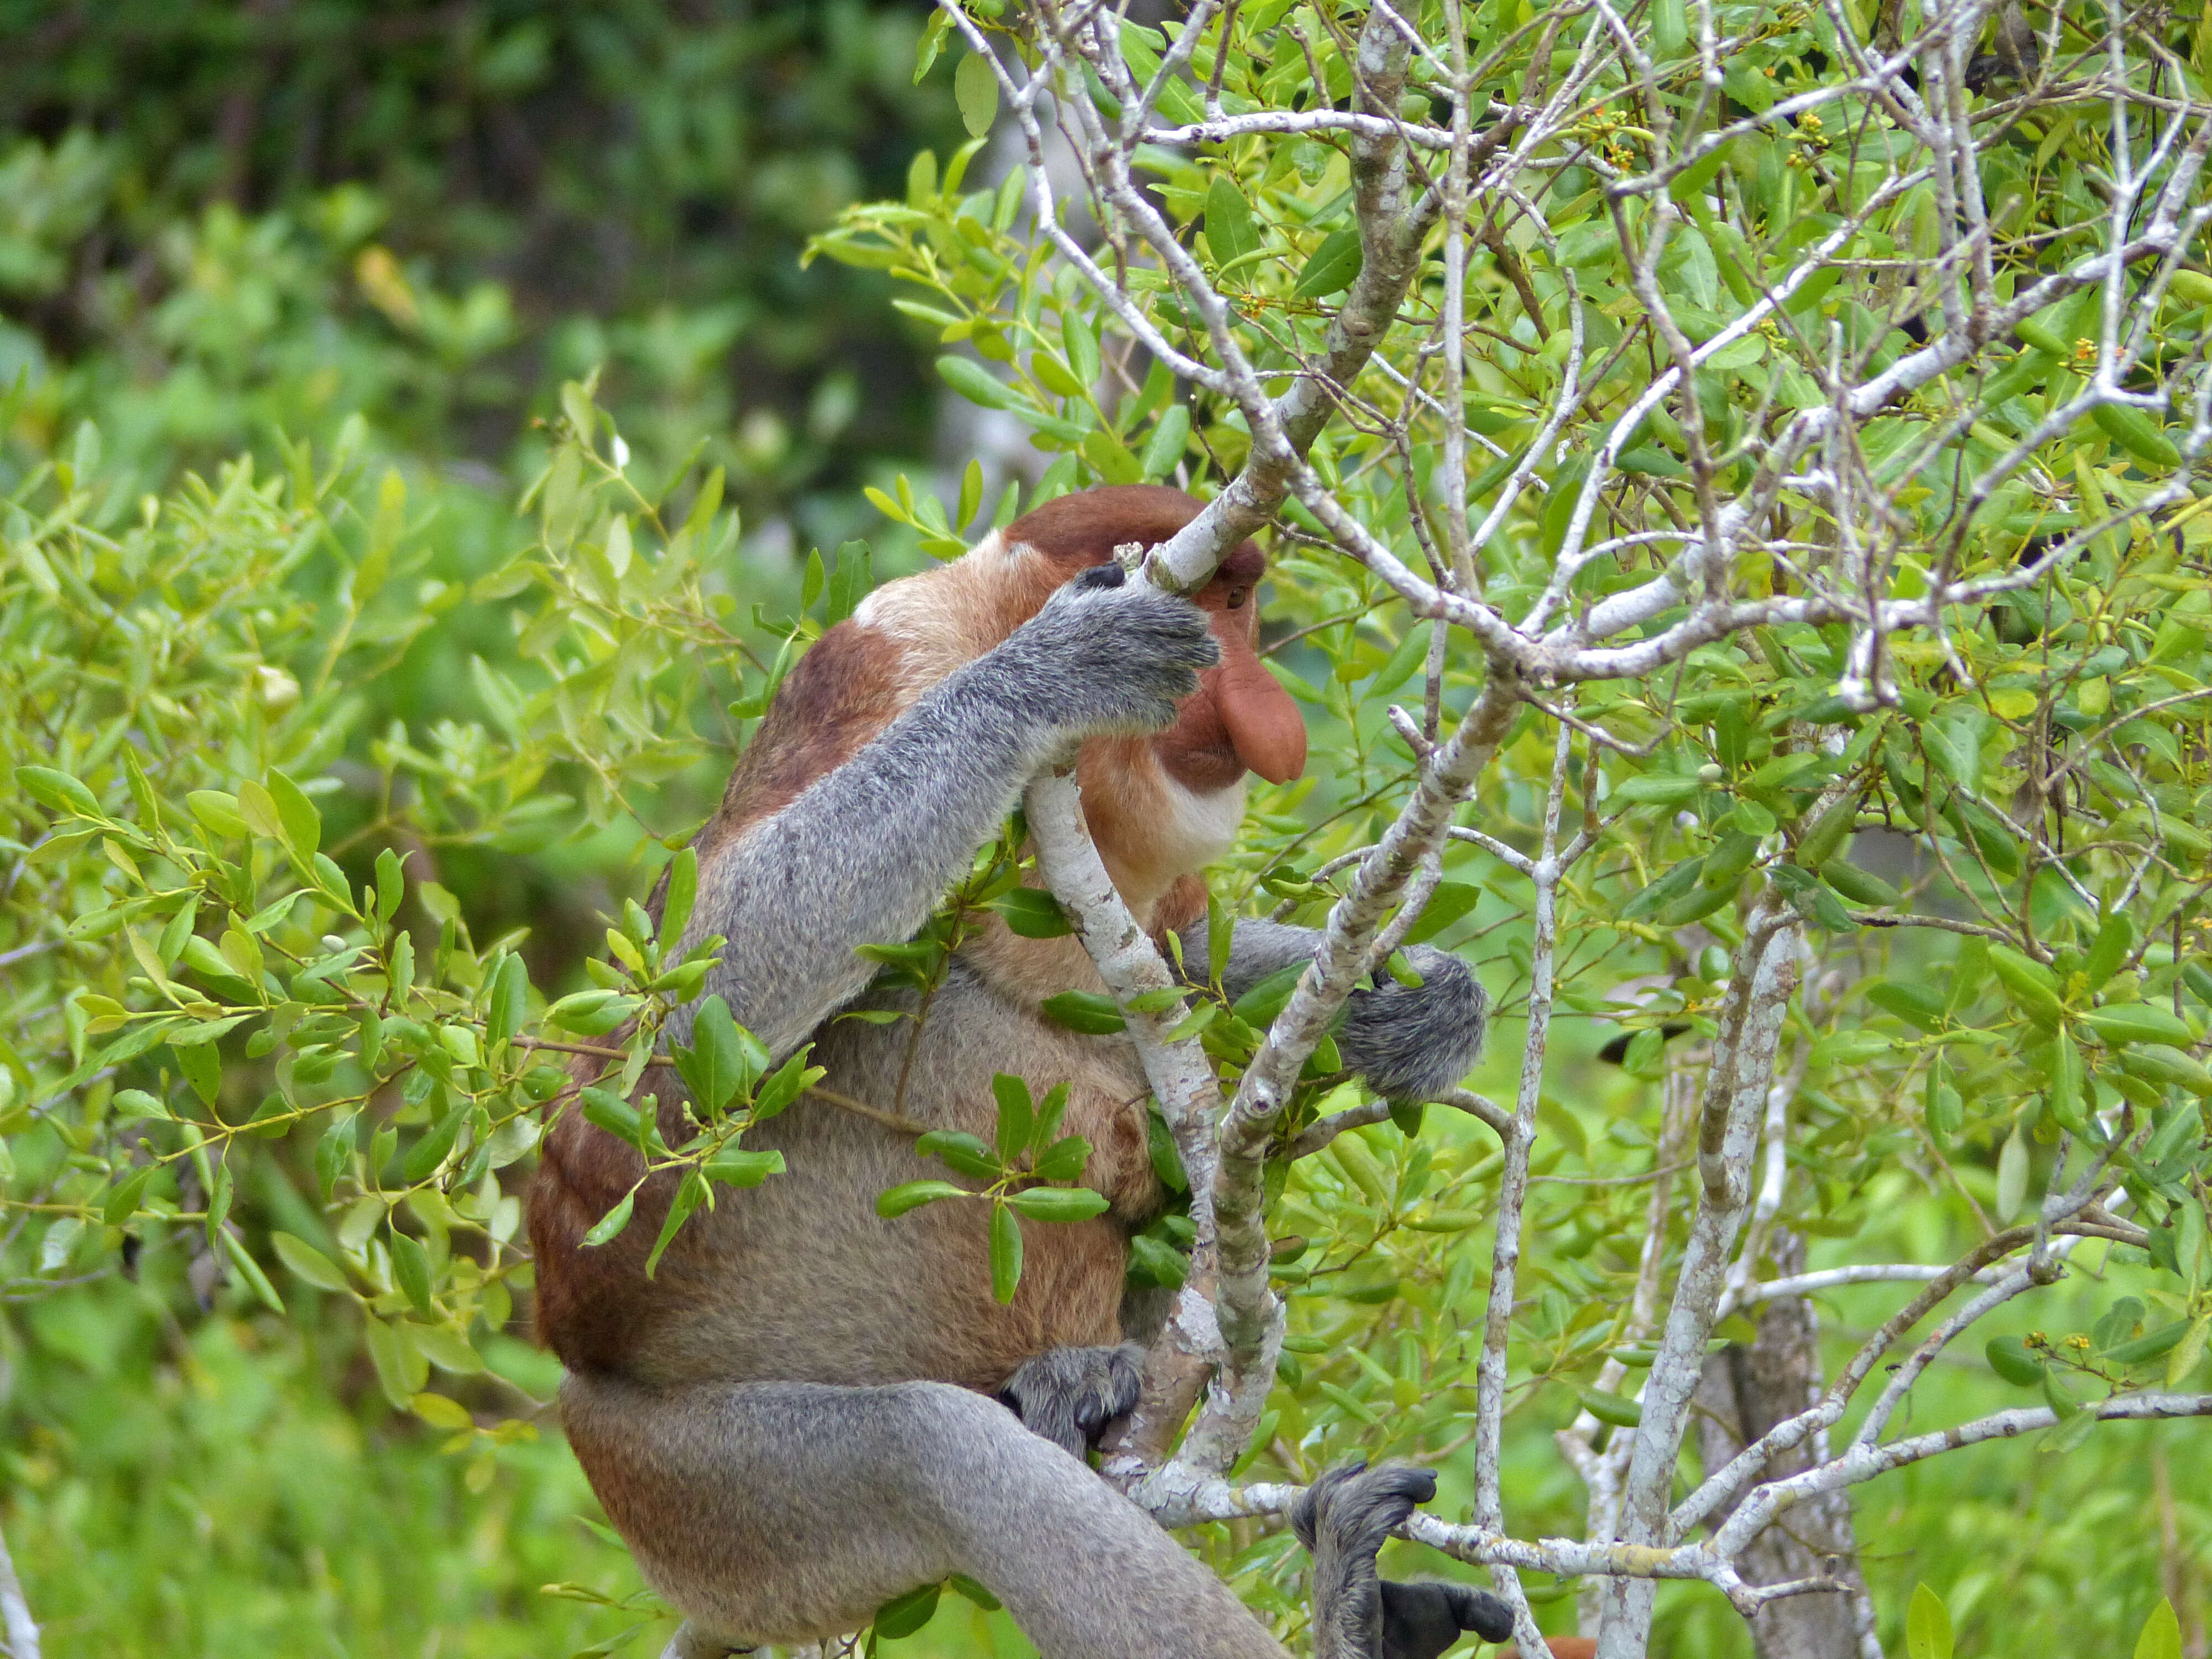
(1108,656)
(1414,1043)
(1070,1394)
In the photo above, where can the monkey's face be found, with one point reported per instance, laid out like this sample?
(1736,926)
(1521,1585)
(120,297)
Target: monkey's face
(1239,720)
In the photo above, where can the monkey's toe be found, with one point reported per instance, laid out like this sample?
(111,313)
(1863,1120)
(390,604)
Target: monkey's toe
(1113,1390)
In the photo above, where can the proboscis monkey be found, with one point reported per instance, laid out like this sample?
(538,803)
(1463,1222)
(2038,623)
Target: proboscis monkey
(810,1410)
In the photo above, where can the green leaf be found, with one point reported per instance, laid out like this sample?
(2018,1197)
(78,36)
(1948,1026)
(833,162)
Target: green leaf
(2065,1097)
(2155,1346)
(59,791)
(510,998)
(1063,1160)
(411,1270)
(1926,1627)
(428,1152)
(2135,431)
(722,1060)
(1861,888)
(1166,1156)
(123,1199)
(448,1351)
(385,1353)
(1032,913)
(1258,1006)
(306,1262)
(2138,1022)
(2161,1634)
(2031,987)
(217,810)
(611,1112)
(612,1222)
(1164,449)
(1087,1012)
(974,1592)
(2012,1175)
(2012,1359)
(258,808)
(1917,1005)
(138,1104)
(1058,1204)
(1016,1113)
(976,90)
(1331,266)
(905,1614)
(1658,789)
(1667,887)
(1229,230)
(1006,1253)
(302,825)
(1449,902)
(689,1195)
(976,383)
(792,1080)
(743,1169)
(250,1271)
(913,1194)
(677,899)
(202,1067)
(970,1155)
(587,1013)
(2161,1065)
(1155,1261)
(971,495)
(2115,940)
(439,1412)
(1616,1409)
(1955,746)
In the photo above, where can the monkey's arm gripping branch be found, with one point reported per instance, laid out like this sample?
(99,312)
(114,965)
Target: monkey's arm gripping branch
(796,893)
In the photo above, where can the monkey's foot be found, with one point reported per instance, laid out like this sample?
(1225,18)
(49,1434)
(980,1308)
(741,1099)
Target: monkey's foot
(1344,1518)
(1422,1619)
(1070,1394)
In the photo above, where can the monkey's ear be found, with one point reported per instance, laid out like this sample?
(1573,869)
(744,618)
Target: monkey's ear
(1102,575)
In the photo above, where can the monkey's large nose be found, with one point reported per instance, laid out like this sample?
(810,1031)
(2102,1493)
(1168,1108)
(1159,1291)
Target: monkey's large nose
(1264,725)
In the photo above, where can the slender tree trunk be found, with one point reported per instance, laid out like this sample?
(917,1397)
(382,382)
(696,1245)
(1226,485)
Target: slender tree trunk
(21,1630)
(1741,1393)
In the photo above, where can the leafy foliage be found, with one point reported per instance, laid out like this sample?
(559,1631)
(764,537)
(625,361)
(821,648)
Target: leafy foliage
(328,774)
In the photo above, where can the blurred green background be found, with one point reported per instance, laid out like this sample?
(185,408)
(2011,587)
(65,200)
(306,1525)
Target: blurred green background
(393,231)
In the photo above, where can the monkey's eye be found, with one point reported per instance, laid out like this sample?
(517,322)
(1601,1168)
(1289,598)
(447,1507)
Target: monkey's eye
(1237,596)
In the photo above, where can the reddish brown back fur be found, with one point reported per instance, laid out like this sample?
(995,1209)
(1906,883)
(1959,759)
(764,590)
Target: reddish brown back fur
(836,698)
(587,1313)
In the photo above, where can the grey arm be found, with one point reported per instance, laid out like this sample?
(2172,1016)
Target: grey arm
(864,854)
